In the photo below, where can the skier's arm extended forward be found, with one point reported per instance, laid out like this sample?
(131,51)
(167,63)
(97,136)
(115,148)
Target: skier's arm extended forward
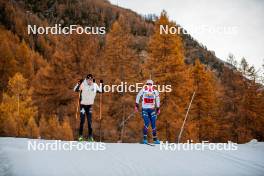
(157,101)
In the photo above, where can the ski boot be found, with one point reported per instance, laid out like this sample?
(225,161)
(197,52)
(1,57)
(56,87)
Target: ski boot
(80,139)
(90,139)
(145,140)
(156,141)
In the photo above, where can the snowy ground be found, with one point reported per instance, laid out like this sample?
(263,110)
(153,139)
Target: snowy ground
(128,159)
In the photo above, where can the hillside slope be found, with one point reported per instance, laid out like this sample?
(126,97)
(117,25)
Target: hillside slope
(128,159)
(228,104)
(100,13)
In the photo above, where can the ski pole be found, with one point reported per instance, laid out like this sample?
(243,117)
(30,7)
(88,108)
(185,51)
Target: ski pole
(179,137)
(123,122)
(100,110)
(100,116)
(77,108)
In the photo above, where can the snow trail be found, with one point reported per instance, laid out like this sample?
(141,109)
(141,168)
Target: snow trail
(128,159)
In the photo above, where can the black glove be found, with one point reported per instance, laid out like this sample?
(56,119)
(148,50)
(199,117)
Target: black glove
(80,81)
(102,85)
(157,111)
(136,107)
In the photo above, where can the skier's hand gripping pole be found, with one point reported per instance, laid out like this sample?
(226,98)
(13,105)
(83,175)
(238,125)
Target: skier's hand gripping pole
(136,107)
(158,111)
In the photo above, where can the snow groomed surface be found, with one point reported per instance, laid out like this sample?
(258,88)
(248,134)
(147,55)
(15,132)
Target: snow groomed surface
(127,160)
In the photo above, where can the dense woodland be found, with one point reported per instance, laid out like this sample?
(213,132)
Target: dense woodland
(38,73)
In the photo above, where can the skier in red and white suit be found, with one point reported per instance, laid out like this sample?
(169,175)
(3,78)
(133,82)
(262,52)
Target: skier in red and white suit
(150,109)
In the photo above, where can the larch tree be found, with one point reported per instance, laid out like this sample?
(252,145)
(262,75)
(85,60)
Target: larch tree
(66,132)
(242,103)
(250,113)
(24,60)
(230,103)
(204,108)
(166,66)
(53,84)
(32,128)
(120,63)
(73,59)
(17,107)
(43,128)
(16,56)
(7,59)
(54,127)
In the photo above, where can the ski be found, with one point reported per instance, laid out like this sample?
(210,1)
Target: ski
(150,144)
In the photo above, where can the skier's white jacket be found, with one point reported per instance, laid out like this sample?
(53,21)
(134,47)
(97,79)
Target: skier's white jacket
(150,98)
(88,92)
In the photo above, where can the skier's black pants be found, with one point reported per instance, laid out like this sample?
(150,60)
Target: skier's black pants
(86,109)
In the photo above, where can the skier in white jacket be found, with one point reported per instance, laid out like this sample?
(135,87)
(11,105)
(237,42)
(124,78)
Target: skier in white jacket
(150,109)
(88,89)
